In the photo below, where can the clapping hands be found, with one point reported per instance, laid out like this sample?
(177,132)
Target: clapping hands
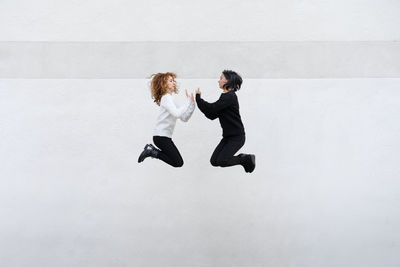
(190,96)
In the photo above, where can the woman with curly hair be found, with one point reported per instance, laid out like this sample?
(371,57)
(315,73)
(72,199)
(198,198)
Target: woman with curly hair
(226,109)
(163,86)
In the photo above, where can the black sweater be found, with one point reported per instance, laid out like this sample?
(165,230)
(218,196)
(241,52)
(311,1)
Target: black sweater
(226,108)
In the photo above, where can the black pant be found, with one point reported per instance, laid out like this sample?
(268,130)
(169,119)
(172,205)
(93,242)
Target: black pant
(169,153)
(223,155)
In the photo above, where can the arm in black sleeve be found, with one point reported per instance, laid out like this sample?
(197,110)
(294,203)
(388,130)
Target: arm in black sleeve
(211,110)
(201,104)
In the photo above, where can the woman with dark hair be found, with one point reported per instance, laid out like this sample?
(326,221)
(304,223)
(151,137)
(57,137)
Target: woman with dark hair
(226,108)
(162,86)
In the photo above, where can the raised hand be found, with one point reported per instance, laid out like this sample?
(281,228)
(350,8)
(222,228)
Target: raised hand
(198,91)
(189,96)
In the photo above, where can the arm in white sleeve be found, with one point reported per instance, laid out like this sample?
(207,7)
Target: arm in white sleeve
(188,112)
(169,105)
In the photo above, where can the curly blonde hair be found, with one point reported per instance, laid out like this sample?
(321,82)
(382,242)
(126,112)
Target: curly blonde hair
(159,87)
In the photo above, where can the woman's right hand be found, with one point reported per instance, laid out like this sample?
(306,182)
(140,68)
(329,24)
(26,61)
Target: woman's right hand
(198,91)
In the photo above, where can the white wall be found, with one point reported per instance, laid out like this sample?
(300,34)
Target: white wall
(325,191)
(128,60)
(262,39)
(183,20)
(75,112)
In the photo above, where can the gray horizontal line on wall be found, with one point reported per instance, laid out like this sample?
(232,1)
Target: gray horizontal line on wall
(257,60)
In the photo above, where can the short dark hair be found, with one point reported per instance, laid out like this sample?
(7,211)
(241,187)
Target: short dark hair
(234,81)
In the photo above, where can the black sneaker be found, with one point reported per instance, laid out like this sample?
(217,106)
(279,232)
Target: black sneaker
(248,162)
(244,160)
(252,163)
(149,151)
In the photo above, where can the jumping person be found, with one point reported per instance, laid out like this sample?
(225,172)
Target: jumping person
(163,86)
(226,108)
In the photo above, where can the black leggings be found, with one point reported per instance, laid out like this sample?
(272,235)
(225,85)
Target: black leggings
(223,155)
(169,153)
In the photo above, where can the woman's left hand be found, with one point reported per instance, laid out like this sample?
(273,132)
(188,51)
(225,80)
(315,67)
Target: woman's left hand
(189,96)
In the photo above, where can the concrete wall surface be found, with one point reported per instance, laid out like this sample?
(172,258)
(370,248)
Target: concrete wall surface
(324,193)
(320,104)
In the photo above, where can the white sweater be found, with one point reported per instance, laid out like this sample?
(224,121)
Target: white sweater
(169,113)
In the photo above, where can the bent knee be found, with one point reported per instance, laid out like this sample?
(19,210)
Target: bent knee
(223,163)
(219,162)
(178,164)
(214,162)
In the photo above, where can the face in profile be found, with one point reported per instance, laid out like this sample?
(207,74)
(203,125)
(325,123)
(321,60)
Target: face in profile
(222,81)
(171,84)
